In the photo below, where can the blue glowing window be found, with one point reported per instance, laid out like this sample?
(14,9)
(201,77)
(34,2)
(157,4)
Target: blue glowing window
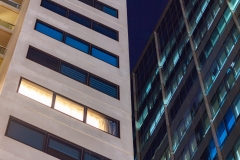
(54,7)
(76,43)
(221,133)
(49,31)
(229,119)
(104,56)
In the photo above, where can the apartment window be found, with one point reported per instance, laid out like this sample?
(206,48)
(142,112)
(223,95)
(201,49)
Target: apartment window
(35,92)
(236,106)
(80,19)
(73,72)
(26,135)
(48,143)
(77,43)
(49,31)
(102,7)
(105,8)
(102,122)
(69,107)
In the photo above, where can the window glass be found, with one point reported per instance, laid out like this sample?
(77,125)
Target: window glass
(227,14)
(88,2)
(26,135)
(69,107)
(80,19)
(221,25)
(181,129)
(35,92)
(76,43)
(237,150)
(229,79)
(61,150)
(49,31)
(103,86)
(186,154)
(229,119)
(43,59)
(215,105)
(236,106)
(221,133)
(214,37)
(193,144)
(54,7)
(222,92)
(229,45)
(235,34)
(99,121)
(236,67)
(73,72)
(105,31)
(208,48)
(222,57)
(102,55)
(110,11)
(175,140)
(212,149)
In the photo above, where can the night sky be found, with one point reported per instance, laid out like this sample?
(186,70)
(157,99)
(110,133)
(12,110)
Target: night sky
(143,16)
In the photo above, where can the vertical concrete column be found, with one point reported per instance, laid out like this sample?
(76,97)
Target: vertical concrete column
(164,96)
(234,16)
(202,84)
(135,113)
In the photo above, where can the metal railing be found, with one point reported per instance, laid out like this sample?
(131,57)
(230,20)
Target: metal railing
(12,3)
(2,50)
(6,25)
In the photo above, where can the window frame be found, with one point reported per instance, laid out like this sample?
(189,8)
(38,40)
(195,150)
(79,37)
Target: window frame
(77,38)
(84,107)
(47,138)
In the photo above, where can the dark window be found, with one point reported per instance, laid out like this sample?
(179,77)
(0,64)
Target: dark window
(80,19)
(26,135)
(103,86)
(49,31)
(54,7)
(55,146)
(88,2)
(43,59)
(62,150)
(73,72)
(105,31)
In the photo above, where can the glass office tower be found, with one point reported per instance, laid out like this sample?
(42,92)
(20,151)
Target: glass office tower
(186,85)
(64,80)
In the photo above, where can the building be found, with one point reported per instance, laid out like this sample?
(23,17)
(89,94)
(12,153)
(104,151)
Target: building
(186,84)
(65,81)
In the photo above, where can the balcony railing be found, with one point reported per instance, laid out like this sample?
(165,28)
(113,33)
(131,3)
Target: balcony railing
(12,3)
(2,51)
(6,25)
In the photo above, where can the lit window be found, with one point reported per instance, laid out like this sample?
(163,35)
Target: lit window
(99,121)
(69,107)
(35,92)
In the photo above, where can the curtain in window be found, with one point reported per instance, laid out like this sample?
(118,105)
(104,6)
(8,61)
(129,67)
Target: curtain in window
(35,92)
(68,107)
(100,122)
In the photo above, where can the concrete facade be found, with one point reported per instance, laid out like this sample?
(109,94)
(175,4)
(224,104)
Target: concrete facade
(15,66)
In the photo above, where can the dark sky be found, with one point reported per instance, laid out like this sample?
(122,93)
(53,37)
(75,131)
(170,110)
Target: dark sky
(143,16)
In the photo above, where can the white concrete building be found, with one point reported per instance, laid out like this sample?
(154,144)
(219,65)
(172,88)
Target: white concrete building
(65,81)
